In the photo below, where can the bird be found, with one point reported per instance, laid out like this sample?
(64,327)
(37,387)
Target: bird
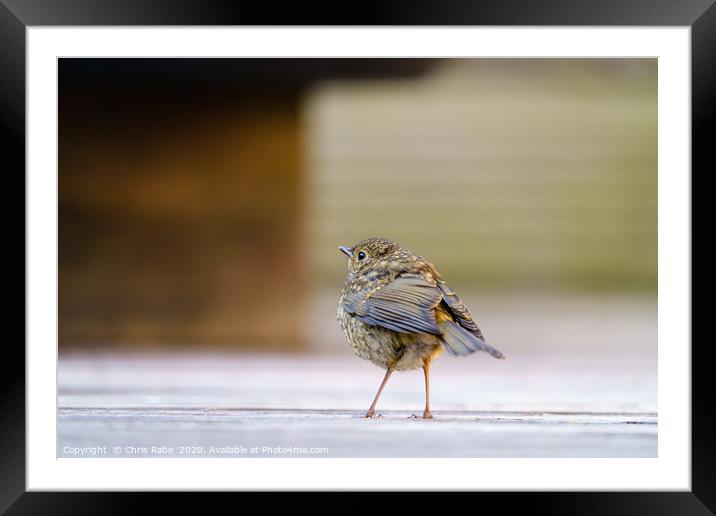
(397,312)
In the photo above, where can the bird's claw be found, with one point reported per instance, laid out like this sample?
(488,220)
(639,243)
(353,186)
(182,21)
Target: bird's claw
(372,415)
(426,415)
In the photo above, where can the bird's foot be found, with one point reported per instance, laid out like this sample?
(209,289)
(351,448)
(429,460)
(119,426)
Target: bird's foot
(371,414)
(426,415)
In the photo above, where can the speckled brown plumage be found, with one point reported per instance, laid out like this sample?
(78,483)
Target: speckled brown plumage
(398,313)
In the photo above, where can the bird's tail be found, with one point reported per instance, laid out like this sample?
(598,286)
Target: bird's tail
(458,341)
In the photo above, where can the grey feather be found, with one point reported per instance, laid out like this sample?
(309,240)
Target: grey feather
(458,341)
(454,305)
(405,305)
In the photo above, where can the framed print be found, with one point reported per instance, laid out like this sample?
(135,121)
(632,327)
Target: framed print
(330,254)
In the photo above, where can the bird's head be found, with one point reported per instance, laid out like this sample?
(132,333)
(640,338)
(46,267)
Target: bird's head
(371,252)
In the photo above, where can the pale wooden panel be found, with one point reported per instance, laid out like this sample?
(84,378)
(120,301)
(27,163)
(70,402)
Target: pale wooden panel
(505,173)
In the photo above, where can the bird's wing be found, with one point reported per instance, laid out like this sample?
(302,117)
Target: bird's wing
(460,334)
(457,309)
(406,305)
(412,304)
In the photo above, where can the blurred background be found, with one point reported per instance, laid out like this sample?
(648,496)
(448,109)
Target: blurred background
(201,201)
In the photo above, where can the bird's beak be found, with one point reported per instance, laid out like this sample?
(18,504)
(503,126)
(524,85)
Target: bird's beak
(346,250)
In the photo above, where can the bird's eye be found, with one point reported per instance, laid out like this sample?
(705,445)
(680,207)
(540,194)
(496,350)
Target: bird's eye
(361,256)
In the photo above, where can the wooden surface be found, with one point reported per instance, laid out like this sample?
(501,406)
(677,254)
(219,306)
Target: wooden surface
(541,405)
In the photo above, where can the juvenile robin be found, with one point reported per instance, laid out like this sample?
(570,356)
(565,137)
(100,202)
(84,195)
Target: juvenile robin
(398,313)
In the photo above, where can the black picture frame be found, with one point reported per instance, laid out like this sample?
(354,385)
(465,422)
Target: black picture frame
(17,15)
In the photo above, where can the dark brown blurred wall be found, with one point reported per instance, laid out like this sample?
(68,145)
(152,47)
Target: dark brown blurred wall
(179,214)
(181,191)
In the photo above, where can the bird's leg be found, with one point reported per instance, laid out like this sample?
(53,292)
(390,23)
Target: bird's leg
(371,410)
(426,370)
